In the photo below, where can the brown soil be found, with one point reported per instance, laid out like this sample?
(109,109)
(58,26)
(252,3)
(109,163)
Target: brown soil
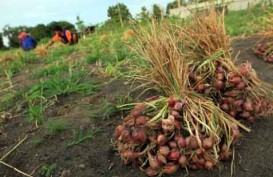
(97,158)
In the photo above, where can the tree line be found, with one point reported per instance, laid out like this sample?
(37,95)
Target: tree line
(118,14)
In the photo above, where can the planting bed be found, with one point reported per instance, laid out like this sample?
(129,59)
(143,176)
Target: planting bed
(97,157)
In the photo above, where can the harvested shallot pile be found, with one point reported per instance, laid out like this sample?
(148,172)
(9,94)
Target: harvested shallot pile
(182,129)
(166,134)
(264,51)
(193,125)
(236,89)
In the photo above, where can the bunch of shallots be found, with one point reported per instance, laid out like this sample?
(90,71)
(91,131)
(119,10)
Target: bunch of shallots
(161,136)
(235,91)
(264,51)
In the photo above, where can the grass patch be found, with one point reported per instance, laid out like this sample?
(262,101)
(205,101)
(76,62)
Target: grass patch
(81,136)
(91,59)
(48,170)
(64,86)
(29,58)
(104,110)
(60,53)
(13,67)
(42,95)
(56,126)
(54,69)
(37,141)
(35,114)
(9,100)
(247,22)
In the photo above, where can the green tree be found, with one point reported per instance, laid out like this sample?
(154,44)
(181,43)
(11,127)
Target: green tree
(1,41)
(119,13)
(175,4)
(39,32)
(158,13)
(144,15)
(11,33)
(80,25)
(63,24)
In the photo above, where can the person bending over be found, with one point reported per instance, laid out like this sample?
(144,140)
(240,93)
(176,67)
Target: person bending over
(65,36)
(26,41)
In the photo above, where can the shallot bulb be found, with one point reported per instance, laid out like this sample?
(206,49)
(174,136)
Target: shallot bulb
(125,136)
(219,84)
(209,165)
(170,168)
(181,142)
(168,124)
(178,106)
(224,153)
(247,106)
(251,119)
(177,125)
(152,138)
(240,86)
(193,142)
(244,69)
(164,150)
(153,161)
(245,114)
(235,134)
(119,130)
(208,143)
(162,159)
(176,114)
(136,113)
(151,172)
(236,80)
(200,88)
(171,102)
(161,139)
(139,135)
(220,76)
(129,155)
(183,161)
(174,155)
(225,107)
(172,144)
(141,120)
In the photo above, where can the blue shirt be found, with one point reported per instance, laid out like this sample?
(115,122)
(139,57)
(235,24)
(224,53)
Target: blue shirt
(28,43)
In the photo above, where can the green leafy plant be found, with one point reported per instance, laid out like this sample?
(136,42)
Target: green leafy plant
(35,114)
(37,141)
(15,66)
(247,22)
(114,70)
(43,94)
(9,100)
(29,58)
(80,136)
(48,170)
(54,69)
(55,126)
(60,53)
(104,110)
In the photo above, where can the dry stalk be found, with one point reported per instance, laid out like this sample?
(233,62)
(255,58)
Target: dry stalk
(14,148)
(8,153)
(15,169)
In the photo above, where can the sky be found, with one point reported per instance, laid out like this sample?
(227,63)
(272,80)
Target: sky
(33,12)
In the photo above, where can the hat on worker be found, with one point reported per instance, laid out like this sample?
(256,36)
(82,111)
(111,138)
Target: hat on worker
(22,36)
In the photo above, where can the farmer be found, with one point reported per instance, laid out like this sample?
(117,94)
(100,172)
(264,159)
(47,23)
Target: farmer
(65,36)
(26,41)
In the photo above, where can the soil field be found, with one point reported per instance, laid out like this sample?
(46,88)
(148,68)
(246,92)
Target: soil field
(97,157)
